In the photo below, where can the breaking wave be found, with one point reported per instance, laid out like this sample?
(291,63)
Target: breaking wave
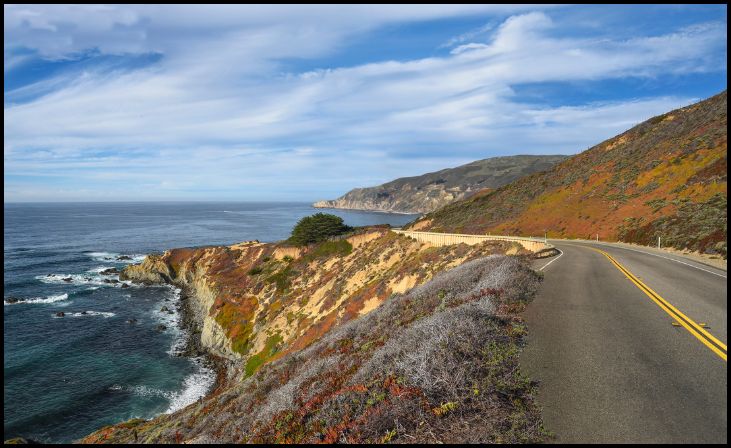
(91,277)
(49,299)
(115,257)
(104,314)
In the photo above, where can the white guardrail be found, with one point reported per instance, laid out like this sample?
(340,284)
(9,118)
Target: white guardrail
(445,239)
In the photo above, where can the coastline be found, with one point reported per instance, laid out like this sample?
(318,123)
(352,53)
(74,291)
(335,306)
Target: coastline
(370,210)
(192,324)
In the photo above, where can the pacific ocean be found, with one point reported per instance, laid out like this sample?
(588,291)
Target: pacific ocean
(108,359)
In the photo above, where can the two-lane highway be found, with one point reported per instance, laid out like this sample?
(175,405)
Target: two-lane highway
(612,366)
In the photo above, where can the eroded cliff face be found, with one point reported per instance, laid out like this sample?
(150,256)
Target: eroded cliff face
(256,302)
(333,343)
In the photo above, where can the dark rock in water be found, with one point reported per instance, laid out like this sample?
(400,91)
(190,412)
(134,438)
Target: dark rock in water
(12,300)
(161,327)
(124,285)
(124,257)
(110,271)
(84,312)
(60,314)
(67,279)
(166,299)
(164,309)
(132,321)
(171,312)
(110,280)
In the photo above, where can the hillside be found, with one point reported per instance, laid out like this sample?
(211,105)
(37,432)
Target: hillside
(314,356)
(422,194)
(665,177)
(258,300)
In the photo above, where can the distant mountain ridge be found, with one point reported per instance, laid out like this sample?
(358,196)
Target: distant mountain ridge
(430,191)
(666,177)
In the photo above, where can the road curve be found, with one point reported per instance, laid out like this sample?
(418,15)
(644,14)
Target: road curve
(611,366)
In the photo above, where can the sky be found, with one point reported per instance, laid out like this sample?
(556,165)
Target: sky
(301,103)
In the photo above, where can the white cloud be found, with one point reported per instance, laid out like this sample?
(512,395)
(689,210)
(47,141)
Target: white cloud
(218,110)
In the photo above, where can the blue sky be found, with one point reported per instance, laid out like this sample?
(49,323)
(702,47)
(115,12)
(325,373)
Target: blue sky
(144,103)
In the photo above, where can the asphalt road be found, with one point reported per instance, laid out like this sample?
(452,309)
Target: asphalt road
(612,367)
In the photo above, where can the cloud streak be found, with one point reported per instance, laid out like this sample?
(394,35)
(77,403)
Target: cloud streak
(219,113)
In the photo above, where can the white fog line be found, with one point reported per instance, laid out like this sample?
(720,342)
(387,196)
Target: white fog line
(667,258)
(559,256)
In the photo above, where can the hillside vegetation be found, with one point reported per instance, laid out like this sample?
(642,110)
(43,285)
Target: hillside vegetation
(316,228)
(258,301)
(427,192)
(438,363)
(666,177)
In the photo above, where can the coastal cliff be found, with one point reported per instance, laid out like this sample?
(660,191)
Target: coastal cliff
(255,301)
(428,192)
(269,309)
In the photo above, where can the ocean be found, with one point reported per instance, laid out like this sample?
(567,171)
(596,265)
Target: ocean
(107,359)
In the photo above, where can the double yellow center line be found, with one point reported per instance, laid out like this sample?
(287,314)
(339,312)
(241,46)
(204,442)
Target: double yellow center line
(693,328)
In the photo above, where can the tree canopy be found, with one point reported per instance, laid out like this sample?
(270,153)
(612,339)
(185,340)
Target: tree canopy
(316,228)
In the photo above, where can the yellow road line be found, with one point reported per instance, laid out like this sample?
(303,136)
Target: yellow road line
(718,347)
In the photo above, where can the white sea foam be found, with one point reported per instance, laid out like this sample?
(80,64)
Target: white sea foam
(49,299)
(113,257)
(88,278)
(145,391)
(172,320)
(104,314)
(195,386)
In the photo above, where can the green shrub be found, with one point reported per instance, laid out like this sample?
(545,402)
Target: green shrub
(270,349)
(328,248)
(282,278)
(256,270)
(316,228)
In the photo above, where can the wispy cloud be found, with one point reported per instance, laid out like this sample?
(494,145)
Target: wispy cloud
(469,36)
(219,113)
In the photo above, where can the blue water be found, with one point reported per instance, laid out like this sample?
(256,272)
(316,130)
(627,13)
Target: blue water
(65,377)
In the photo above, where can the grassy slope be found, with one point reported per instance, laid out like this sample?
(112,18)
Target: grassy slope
(666,176)
(436,364)
(269,307)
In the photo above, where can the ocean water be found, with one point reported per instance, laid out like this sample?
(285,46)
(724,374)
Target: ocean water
(65,377)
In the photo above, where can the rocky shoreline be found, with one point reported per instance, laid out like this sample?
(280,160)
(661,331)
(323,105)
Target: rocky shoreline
(192,324)
(251,304)
(332,205)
